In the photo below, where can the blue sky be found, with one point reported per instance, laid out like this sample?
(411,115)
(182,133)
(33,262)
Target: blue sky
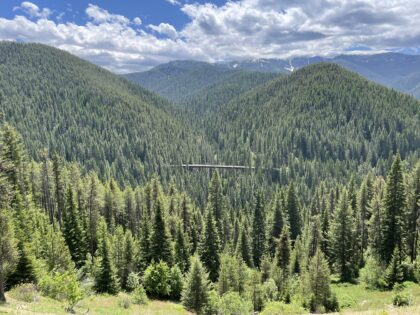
(127,36)
(150,11)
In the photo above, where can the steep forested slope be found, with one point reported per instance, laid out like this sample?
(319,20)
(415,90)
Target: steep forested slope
(87,114)
(214,96)
(322,119)
(179,79)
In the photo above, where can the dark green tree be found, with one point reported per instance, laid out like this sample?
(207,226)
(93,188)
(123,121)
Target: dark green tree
(342,237)
(393,225)
(258,229)
(106,280)
(293,212)
(196,290)
(160,241)
(210,246)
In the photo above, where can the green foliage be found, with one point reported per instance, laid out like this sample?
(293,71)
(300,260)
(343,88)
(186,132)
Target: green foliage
(342,229)
(157,280)
(195,294)
(258,230)
(139,295)
(176,283)
(25,292)
(274,308)
(160,242)
(62,286)
(210,247)
(393,218)
(232,303)
(8,249)
(133,281)
(106,280)
(372,274)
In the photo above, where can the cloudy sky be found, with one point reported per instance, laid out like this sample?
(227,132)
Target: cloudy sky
(134,35)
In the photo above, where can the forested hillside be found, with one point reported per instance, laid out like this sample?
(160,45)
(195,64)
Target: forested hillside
(320,122)
(87,114)
(67,235)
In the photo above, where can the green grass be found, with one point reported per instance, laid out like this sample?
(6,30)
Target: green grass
(354,299)
(357,298)
(98,304)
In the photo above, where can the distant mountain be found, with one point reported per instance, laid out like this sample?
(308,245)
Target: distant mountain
(395,70)
(180,79)
(89,115)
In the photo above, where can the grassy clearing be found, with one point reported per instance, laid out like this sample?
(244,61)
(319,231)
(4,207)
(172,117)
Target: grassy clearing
(99,304)
(354,300)
(358,298)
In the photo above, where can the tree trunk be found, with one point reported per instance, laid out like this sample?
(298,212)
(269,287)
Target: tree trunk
(2,296)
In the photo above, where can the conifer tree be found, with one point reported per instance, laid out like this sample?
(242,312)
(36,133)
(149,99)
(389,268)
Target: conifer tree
(24,271)
(278,223)
(106,280)
(318,283)
(293,212)
(160,241)
(414,214)
(93,211)
(394,204)
(283,252)
(394,273)
(243,248)
(129,258)
(210,247)
(144,242)
(59,186)
(73,232)
(258,230)
(215,201)
(8,249)
(364,201)
(342,239)
(195,294)
(182,254)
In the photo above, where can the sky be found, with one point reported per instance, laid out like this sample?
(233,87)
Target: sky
(135,35)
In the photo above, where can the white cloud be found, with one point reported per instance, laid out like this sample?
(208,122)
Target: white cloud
(165,29)
(174,2)
(33,10)
(236,30)
(137,21)
(100,15)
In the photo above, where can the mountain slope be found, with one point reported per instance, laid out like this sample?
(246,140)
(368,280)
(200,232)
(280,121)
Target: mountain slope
(90,115)
(321,114)
(179,79)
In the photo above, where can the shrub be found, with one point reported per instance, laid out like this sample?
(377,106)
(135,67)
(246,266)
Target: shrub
(124,301)
(139,295)
(26,292)
(157,280)
(270,292)
(62,286)
(212,304)
(231,303)
(274,308)
(176,282)
(133,281)
(373,274)
(401,299)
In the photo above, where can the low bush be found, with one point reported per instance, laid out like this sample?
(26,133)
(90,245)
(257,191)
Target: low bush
(124,301)
(401,299)
(274,308)
(231,303)
(139,295)
(26,292)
